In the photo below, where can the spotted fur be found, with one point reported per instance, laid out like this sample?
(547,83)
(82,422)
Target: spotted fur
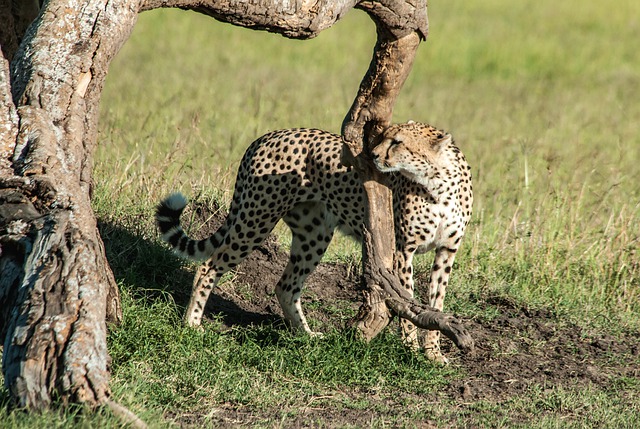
(296,175)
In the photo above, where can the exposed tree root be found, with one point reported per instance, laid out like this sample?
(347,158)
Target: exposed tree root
(383,295)
(426,317)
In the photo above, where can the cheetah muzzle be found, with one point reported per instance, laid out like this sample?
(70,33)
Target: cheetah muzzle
(296,175)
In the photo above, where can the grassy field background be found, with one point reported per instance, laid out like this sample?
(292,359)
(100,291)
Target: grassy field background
(542,97)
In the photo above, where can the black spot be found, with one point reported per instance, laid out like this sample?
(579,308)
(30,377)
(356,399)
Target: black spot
(175,238)
(165,226)
(183,243)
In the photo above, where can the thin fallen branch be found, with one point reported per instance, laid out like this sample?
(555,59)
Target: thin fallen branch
(127,416)
(426,317)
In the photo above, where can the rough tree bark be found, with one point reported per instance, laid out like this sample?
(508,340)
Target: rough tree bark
(55,279)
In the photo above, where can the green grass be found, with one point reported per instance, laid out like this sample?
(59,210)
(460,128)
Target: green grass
(541,96)
(240,365)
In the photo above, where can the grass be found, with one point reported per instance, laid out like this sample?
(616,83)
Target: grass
(240,365)
(542,98)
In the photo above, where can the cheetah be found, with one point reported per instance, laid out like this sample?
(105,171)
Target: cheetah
(296,175)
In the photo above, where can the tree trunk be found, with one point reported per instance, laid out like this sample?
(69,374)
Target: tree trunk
(369,116)
(55,277)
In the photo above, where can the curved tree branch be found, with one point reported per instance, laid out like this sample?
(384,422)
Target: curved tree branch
(384,295)
(400,26)
(293,19)
(426,317)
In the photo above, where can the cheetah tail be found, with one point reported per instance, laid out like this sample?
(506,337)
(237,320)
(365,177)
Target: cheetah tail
(168,220)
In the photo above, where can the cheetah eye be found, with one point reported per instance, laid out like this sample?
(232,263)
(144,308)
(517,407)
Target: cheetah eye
(395,142)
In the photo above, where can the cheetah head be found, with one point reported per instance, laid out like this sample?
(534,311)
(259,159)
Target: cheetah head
(414,150)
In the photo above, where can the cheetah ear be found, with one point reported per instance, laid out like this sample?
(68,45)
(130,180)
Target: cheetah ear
(410,122)
(442,140)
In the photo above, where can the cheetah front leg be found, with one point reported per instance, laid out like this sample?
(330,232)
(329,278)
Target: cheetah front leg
(404,269)
(438,280)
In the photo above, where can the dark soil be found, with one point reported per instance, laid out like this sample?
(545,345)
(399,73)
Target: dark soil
(521,348)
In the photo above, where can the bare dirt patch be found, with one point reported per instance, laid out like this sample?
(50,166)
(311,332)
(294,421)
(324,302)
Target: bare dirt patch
(521,348)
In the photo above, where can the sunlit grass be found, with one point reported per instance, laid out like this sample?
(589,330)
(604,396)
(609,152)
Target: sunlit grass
(261,366)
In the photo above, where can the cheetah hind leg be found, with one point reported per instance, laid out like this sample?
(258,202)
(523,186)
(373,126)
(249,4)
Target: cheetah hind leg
(206,278)
(238,242)
(312,228)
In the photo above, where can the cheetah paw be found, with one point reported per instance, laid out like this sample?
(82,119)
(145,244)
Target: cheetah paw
(435,356)
(194,324)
